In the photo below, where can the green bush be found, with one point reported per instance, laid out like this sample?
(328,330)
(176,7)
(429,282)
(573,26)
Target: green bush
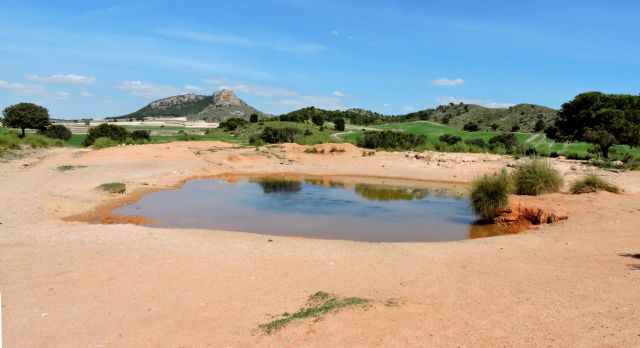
(479,142)
(9,141)
(103,142)
(280,135)
(40,141)
(471,127)
(233,123)
(117,133)
(339,124)
(593,183)
(536,177)
(507,140)
(388,139)
(113,187)
(56,131)
(450,139)
(141,134)
(490,194)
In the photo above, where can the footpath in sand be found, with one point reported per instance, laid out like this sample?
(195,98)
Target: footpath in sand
(72,284)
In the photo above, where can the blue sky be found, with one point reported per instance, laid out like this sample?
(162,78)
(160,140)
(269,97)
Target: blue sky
(93,58)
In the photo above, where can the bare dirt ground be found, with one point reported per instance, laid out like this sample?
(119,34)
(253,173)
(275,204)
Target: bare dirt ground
(71,284)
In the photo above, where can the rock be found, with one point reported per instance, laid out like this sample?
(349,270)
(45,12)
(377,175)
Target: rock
(171,101)
(574,168)
(225,98)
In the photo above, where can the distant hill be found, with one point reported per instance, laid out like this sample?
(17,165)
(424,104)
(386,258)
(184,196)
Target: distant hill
(218,107)
(524,116)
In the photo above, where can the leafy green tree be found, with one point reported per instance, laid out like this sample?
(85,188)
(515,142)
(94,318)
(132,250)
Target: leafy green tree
(253,118)
(602,139)
(340,124)
(26,116)
(450,139)
(317,119)
(471,127)
(539,126)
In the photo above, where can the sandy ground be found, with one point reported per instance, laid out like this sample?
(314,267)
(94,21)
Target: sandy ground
(71,284)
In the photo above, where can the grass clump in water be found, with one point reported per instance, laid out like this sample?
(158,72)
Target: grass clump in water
(113,187)
(536,177)
(593,183)
(490,194)
(318,305)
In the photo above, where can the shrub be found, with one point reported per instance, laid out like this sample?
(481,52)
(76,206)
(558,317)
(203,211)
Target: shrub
(490,194)
(340,124)
(57,131)
(40,141)
(113,187)
(103,142)
(307,133)
(388,139)
(471,127)
(593,183)
(479,142)
(253,118)
(313,150)
(450,139)
(508,140)
(9,141)
(317,119)
(117,133)
(335,149)
(141,134)
(515,128)
(233,123)
(536,177)
(280,135)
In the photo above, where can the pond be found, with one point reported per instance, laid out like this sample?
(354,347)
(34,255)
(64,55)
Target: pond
(361,209)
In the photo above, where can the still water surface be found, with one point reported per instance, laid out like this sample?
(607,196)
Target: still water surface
(372,210)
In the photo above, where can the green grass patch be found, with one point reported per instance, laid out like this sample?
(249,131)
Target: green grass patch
(113,187)
(69,167)
(536,177)
(318,305)
(593,183)
(489,194)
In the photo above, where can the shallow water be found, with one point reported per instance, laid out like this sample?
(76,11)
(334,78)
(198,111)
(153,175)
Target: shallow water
(372,210)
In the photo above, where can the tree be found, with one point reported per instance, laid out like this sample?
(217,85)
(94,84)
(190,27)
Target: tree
(26,115)
(339,124)
(601,139)
(450,139)
(471,127)
(515,128)
(539,126)
(317,119)
(253,118)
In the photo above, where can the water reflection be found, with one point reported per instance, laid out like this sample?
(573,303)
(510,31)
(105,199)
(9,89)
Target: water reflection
(373,210)
(277,185)
(385,193)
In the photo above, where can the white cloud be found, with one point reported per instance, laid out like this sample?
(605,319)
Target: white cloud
(335,32)
(86,94)
(60,78)
(329,103)
(337,94)
(386,105)
(481,102)
(145,89)
(408,109)
(27,90)
(445,82)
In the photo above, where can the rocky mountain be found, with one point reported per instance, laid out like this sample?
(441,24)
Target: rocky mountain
(218,107)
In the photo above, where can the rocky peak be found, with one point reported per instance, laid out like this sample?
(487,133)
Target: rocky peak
(226,97)
(179,99)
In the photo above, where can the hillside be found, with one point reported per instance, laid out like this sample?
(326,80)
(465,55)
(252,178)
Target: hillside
(525,116)
(218,107)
